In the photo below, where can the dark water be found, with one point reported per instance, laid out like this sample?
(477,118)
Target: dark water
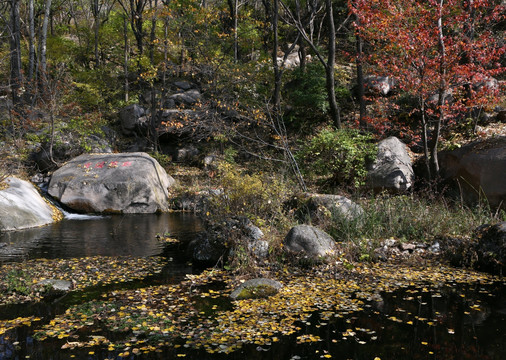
(82,236)
(409,323)
(448,331)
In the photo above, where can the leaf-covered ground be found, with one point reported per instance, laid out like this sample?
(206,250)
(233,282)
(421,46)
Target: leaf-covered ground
(197,313)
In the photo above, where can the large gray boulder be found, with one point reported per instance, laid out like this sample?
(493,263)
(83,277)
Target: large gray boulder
(309,241)
(132,117)
(392,170)
(477,171)
(21,206)
(324,206)
(188,97)
(112,183)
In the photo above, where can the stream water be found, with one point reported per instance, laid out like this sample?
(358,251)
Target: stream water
(409,323)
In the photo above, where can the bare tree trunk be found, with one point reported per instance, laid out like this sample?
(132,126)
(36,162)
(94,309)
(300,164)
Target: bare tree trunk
(153,32)
(134,10)
(15,56)
(277,72)
(331,57)
(154,120)
(31,41)
(424,137)
(125,65)
(236,35)
(331,60)
(42,44)
(302,55)
(96,25)
(360,76)
(442,91)
(100,10)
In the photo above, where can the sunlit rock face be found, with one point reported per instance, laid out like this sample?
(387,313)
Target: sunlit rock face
(310,241)
(392,170)
(321,207)
(21,206)
(256,288)
(112,183)
(477,171)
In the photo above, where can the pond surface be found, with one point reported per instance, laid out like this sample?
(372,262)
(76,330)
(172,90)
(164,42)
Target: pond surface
(444,321)
(82,236)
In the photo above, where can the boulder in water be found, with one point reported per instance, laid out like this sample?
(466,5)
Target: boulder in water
(256,288)
(21,206)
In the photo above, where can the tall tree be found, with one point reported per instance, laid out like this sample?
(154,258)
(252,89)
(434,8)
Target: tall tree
(295,18)
(424,46)
(134,10)
(31,41)
(15,49)
(43,42)
(100,10)
(359,44)
(153,6)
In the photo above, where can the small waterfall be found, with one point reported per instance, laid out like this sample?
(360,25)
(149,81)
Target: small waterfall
(66,214)
(75,216)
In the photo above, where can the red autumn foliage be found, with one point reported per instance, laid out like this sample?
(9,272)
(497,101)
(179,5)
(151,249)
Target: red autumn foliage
(435,49)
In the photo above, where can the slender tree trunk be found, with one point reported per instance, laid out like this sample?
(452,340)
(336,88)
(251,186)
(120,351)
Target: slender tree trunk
(15,56)
(302,55)
(154,120)
(236,35)
(165,56)
(360,77)
(125,65)
(277,72)
(153,32)
(42,45)
(424,137)
(51,139)
(31,41)
(442,91)
(469,35)
(96,27)
(331,60)
(134,10)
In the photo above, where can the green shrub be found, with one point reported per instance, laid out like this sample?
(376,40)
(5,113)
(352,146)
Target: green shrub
(307,89)
(338,157)
(306,93)
(255,196)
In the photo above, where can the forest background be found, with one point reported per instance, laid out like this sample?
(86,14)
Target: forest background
(68,67)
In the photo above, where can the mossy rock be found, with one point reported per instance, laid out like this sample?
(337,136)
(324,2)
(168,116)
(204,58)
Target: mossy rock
(256,289)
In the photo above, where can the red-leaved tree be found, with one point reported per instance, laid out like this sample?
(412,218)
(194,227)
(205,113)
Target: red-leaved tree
(442,52)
